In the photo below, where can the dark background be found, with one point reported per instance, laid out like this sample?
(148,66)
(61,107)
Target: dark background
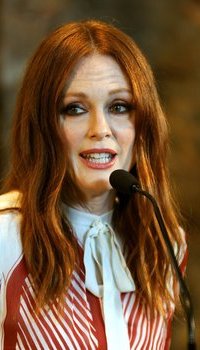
(168,32)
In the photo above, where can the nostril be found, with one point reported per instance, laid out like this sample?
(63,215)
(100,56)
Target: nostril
(100,131)
(100,135)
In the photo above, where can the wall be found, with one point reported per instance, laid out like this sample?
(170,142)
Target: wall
(168,32)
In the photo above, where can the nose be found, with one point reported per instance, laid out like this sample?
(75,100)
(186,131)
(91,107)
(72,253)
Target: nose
(99,126)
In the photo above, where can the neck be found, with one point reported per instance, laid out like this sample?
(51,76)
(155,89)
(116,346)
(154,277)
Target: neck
(99,204)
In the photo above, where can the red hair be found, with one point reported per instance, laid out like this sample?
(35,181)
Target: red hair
(40,167)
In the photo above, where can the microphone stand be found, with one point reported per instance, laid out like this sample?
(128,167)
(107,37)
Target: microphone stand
(184,292)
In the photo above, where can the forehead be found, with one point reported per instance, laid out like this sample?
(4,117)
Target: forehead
(97,68)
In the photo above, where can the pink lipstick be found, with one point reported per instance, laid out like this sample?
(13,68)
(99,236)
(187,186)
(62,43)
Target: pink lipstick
(98,158)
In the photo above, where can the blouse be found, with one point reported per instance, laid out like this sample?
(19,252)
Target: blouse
(81,323)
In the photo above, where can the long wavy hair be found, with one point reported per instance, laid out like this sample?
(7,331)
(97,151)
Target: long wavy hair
(40,166)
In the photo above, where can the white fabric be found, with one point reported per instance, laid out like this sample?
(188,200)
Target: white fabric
(10,200)
(107,275)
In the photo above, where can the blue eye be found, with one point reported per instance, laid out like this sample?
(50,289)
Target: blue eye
(72,109)
(120,108)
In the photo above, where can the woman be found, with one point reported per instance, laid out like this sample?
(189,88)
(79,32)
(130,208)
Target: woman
(84,267)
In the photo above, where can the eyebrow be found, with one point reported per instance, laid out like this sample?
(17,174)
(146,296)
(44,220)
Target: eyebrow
(76,94)
(116,91)
(112,92)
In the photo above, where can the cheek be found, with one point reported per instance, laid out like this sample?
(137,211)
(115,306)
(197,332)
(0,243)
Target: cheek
(124,130)
(74,132)
(128,138)
(127,142)
(71,137)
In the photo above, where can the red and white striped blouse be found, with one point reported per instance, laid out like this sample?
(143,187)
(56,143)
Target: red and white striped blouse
(80,325)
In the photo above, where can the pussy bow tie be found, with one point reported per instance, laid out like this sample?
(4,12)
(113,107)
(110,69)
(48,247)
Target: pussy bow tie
(107,276)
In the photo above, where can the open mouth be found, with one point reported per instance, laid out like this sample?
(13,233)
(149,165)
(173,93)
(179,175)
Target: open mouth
(100,158)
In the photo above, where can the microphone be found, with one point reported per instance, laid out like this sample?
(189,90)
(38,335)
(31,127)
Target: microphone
(124,182)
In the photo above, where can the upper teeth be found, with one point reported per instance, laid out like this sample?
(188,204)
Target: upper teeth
(103,157)
(97,155)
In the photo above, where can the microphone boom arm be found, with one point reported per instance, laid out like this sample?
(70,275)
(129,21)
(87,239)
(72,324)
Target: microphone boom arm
(184,292)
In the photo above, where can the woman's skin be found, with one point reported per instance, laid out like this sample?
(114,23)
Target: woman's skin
(98,122)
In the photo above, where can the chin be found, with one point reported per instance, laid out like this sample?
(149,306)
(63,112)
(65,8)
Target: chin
(98,187)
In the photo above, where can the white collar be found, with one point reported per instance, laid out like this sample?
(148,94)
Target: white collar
(81,221)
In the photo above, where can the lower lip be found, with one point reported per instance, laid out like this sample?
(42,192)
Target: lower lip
(98,165)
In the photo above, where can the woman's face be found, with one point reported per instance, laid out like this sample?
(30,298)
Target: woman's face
(98,122)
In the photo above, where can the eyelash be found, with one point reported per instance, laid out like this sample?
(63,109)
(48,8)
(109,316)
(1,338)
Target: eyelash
(71,108)
(125,105)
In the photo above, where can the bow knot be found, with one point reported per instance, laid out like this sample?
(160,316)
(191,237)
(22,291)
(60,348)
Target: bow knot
(107,276)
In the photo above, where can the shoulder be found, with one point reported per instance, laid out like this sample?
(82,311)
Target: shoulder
(10,240)
(9,217)
(10,200)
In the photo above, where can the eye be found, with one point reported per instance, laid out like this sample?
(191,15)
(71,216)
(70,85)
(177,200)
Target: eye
(72,109)
(121,107)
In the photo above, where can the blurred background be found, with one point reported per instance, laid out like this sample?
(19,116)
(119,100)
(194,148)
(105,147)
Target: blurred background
(168,32)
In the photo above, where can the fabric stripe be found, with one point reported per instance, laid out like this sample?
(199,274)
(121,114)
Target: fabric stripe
(79,325)
(96,310)
(29,300)
(79,331)
(29,326)
(148,329)
(133,321)
(28,303)
(139,329)
(22,339)
(158,333)
(66,329)
(75,333)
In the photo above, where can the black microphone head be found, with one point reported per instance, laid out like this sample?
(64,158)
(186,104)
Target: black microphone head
(123,181)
